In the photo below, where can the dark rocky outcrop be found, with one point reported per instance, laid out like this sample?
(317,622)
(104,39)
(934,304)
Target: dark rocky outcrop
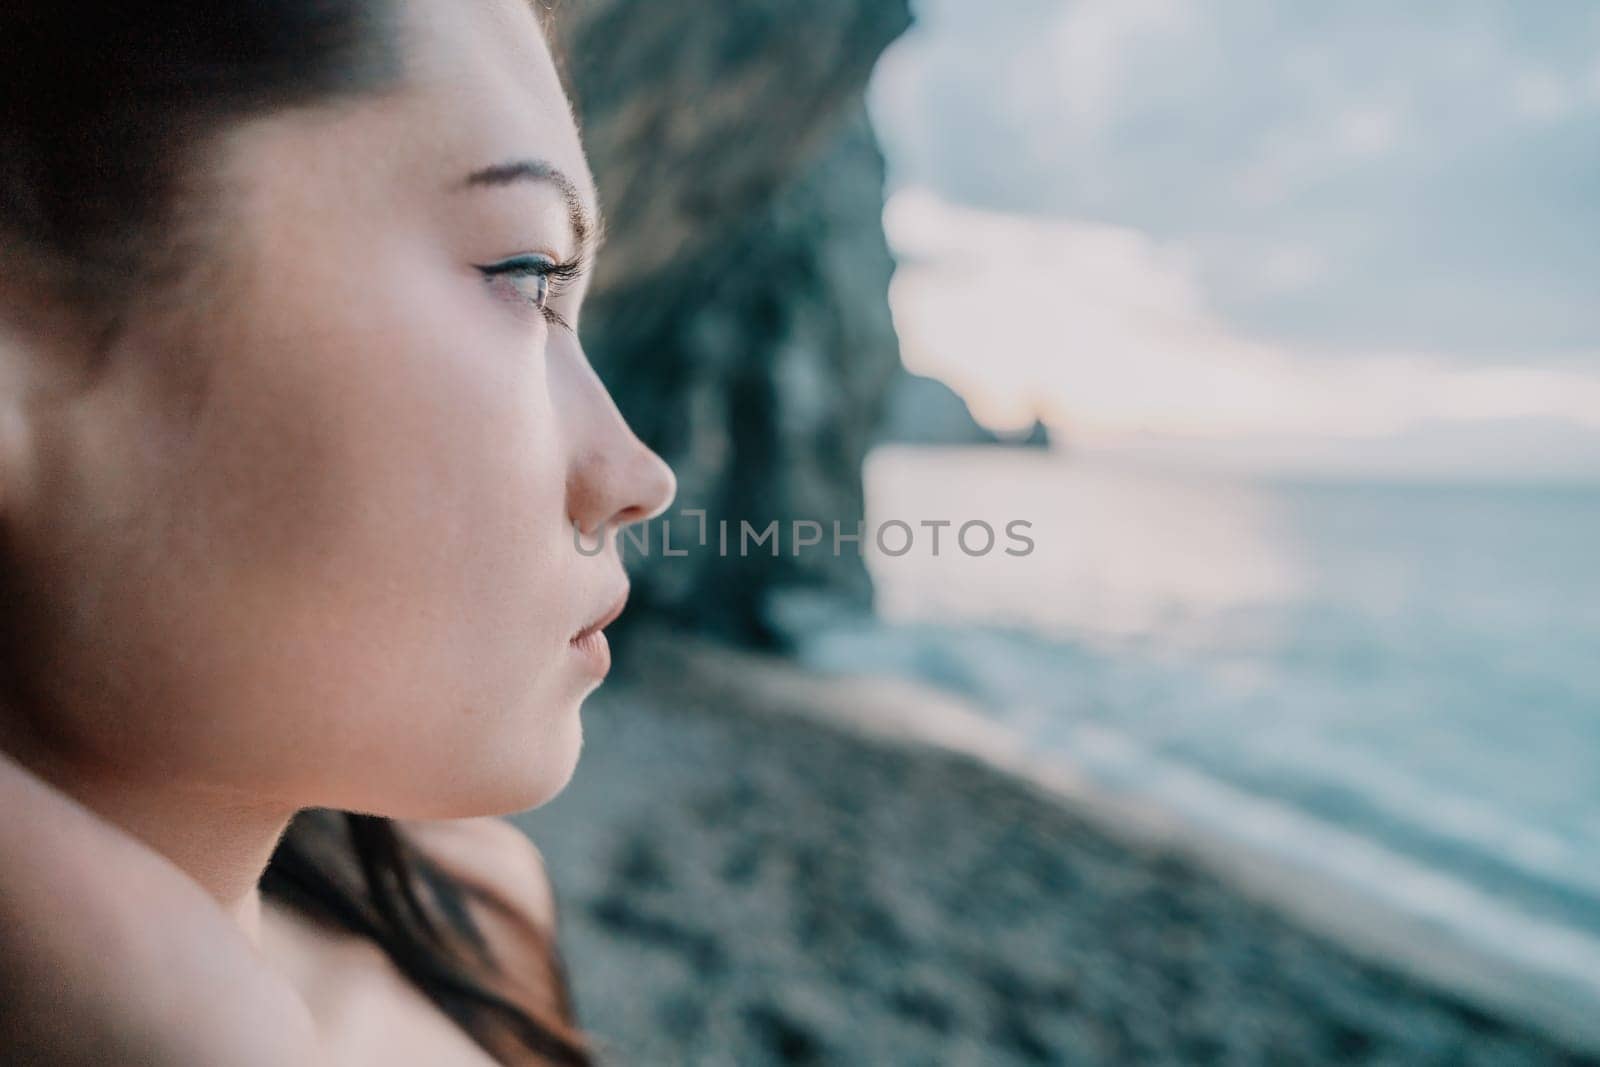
(740,311)
(926,411)
(1036,435)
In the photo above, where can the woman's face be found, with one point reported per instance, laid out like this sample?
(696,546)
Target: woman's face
(307,538)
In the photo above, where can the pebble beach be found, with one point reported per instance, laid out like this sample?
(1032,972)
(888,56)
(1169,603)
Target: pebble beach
(740,882)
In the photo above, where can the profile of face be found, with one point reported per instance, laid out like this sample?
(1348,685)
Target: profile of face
(306,535)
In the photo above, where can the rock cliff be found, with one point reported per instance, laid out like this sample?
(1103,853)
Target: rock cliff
(739,313)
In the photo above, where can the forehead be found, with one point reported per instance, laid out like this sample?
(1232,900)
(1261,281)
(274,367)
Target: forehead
(483,71)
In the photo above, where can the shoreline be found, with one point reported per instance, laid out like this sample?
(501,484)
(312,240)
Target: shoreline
(902,711)
(633,908)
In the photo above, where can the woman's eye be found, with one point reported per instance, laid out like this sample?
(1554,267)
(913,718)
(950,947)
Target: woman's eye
(528,275)
(536,280)
(535,288)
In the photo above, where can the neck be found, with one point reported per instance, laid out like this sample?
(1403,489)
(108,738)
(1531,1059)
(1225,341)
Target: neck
(221,841)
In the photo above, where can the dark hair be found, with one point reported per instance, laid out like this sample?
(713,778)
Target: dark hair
(106,112)
(357,872)
(104,108)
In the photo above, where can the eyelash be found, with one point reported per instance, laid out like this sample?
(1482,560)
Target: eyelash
(554,277)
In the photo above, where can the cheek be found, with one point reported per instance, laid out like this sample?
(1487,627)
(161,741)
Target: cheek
(375,546)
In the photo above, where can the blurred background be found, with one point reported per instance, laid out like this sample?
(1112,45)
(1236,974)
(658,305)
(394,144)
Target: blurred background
(1275,737)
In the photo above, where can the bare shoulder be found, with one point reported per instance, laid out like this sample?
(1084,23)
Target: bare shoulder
(495,856)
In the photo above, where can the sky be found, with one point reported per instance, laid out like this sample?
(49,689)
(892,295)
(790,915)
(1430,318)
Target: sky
(1352,237)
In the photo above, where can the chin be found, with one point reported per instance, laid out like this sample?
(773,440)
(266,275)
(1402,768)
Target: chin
(506,784)
(555,773)
(525,760)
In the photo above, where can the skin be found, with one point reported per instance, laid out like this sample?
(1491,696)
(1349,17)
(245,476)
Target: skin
(304,538)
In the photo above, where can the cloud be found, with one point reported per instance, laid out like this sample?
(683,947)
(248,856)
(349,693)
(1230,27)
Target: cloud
(1086,45)
(1106,331)
(1422,178)
(1544,96)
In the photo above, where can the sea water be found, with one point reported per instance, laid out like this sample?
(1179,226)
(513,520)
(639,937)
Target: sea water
(1395,685)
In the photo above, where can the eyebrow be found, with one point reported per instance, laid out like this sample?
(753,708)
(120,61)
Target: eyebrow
(587,225)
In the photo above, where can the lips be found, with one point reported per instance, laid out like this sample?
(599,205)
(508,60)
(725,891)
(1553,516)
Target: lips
(605,619)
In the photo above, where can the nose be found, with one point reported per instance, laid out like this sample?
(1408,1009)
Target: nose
(613,478)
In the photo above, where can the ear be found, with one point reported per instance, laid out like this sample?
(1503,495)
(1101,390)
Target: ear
(12,432)
(29,371)
(47,351)
(11,389)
